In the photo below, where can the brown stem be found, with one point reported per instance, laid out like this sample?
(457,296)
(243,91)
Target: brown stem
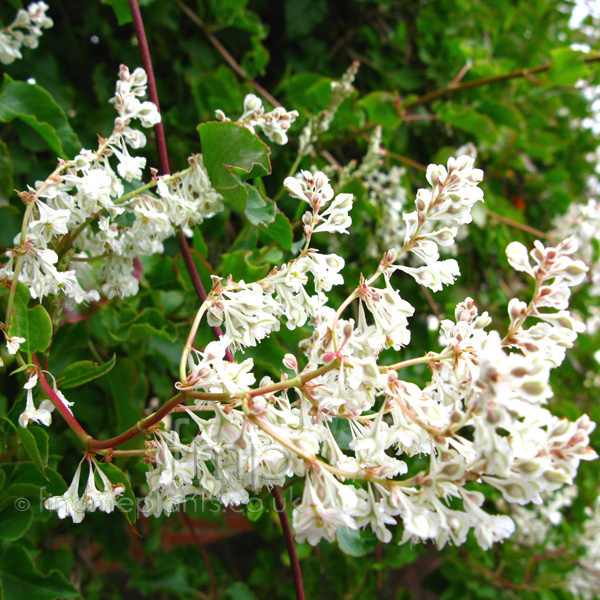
(225,54)
(516,225)
(405,160)
(289,541)
(453,88)
(198,541)
(501,582)
(163,156)
(432,303)
(238,68)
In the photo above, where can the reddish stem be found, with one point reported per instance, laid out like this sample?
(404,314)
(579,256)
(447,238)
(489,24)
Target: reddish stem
(140,427)
(163,156)
(197,283)
(140,33)
(289,542)
(59,404)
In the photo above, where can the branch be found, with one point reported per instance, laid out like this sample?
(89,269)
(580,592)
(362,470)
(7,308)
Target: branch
(516,225)
(163,156)
(140,427)
(67,415)
(225,54)
(289,541)
(198,541)
(453,88)
(237,67)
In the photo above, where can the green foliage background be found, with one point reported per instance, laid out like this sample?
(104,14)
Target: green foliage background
(533,153)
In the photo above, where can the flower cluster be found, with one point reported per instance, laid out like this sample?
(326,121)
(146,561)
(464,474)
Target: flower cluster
(388,195)
(554,273)
(42,414)
(440,210)
(481,419)
(416,454)
(316,191)
(25,30)
(273,124)
(61,252)
(582,221)
(70,504)
(320,123)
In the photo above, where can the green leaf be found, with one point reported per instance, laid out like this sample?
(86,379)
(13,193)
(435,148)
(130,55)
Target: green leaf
(34,106)
(121,386)
(355,542)
(568,67)
(224,10)
(468,119)
(24,479)
(148,322)
(15,519)
(382,108)
(126,502)
(238,265)
(81,372)
(254,510)
(42,441)
(22,296)
(121,9)
(20,579)
(256,60)
(174,581)
(259,210)
(6,174)
(33,324)
(307,91)
(11,220)
(303,16)
(239,591)
(30,443)
(232,155)
(280,230)
(502,113)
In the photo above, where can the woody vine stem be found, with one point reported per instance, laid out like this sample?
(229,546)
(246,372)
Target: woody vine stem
(195,277)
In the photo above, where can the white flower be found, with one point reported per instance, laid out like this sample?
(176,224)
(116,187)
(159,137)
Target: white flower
(13,343)
(494,529)
(336,218)
(434,275)
(274,124)
(311,188)
(42,414)
(321,513)
(69,504)
(25,30)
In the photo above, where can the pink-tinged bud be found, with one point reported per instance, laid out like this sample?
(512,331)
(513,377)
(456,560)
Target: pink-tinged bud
(347,331)
(290,362)
(516,309)
(258,405)
(391,256)
(328,357)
